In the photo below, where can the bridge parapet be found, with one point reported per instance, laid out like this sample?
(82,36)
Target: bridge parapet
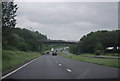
(56,42)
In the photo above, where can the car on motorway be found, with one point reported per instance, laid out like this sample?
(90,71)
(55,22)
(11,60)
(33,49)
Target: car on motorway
(47,53)
(54,53)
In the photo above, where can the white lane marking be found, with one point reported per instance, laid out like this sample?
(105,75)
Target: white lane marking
(17,69)
(60,64)
(69,70)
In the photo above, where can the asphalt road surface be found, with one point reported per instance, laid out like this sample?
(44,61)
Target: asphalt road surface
(56,67)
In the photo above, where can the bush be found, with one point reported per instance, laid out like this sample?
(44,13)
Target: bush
(98,52)
(8,47)
(11,59)
(23,47)
(73,49)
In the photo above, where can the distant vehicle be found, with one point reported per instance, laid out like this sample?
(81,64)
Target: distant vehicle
(55,50)
(54,53)
(47,52)
(52,49)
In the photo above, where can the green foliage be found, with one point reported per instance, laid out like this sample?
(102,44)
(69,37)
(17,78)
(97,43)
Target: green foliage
(25,40)
(98,49)
(98,40)
(104,62)
(12,48)
(8,20)
(11,59)
(16,38)
(73,49)
(97,52)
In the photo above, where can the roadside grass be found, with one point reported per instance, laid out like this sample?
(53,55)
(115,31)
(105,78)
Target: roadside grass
(0,59)
(11,59)
(105,55)
(105,62)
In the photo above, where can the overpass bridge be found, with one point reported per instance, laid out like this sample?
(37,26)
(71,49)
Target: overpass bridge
(57,42)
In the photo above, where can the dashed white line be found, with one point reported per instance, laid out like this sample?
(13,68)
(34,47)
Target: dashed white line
(60,64)
(66,69)
(69,70)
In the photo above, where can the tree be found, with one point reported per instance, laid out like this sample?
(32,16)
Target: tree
(97,42)
(8,20)
(73,49)
(25,40)
(0,25)
(99,49)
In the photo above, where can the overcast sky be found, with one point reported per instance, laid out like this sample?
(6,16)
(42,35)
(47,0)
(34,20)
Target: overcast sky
(67,20)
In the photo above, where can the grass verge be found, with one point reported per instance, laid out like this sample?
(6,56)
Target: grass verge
(11,59)
(104,55)
(0,57)
(105,62)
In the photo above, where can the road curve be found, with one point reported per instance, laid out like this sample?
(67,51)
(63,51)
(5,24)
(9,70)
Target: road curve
(56,67)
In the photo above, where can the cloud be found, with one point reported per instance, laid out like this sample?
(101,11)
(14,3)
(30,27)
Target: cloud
(67,20)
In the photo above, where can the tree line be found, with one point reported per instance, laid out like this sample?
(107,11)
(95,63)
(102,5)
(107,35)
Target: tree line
(24,40)
(17,38)
(97,42)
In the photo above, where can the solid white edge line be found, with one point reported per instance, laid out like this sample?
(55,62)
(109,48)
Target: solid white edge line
(17,69)
(69,70)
